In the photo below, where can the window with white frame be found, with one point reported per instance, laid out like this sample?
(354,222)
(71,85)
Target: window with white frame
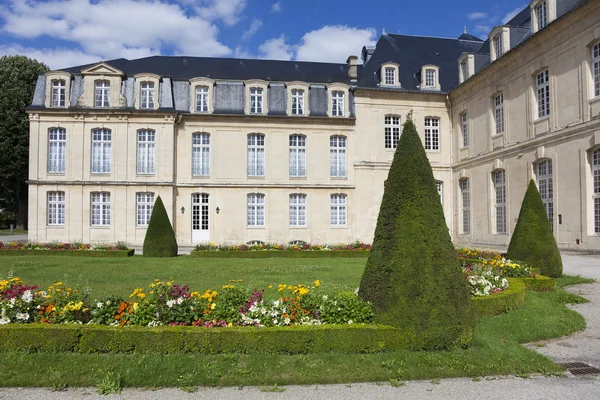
(432,133)
(297,155)
(439,185)
(499,178)
(392,131)
(337,103)
(200,154)
(144,205)
(57,149)
(147,95)
(541,15)
(499,113)
(543,94)
(430,77)
(465,205)
(101,151)
(596,189)
(102,94)
(337,157)
(202,98)
(297,101)
(297,210)
(464,70)
(146,151)
(100,211)
(464,128)
(596,68)
(390,75)
(339,209)
(546,187)
(256,209)
(256,100)
(498,45)
(256,154)
(59,93)
(56,208)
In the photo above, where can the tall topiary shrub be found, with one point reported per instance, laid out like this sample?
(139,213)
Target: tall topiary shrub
(413,277)
(532,241)
(160,239)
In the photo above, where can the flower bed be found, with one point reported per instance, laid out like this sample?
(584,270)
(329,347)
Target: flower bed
(64,249)
(510,299)
(266,250)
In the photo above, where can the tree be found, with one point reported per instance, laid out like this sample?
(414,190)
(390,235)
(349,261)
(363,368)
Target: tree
(160,239)
(18,77)
(413,277)
(532,241)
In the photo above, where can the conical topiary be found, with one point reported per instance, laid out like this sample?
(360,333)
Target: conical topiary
(160,239)
(532,241)
(413,277)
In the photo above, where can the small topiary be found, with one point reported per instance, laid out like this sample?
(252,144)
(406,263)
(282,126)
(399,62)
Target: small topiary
(160,239)
(532,241)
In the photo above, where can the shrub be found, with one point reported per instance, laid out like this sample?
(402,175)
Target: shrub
(160,239)
(539,283)
(532,241)
(498,303)
(413,277)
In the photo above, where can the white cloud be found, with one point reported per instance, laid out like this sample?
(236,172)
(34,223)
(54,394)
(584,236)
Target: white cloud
(482,29)
(276,7)
(334,43)
(254,27)
(54,58)
(227,10)
(276,49)
(511,14)
(476,15)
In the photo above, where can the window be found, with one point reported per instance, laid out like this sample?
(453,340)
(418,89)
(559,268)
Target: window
(466,205)
(464,70)
(337,157)
(541,15)
(100,209)
(596,69)
(256,100)
(202,98)
(429,77)
(432,134)
(596,188)
(101,151)
(498,46)
(200,154)
(337,103)
(545,187)
(464,128)
(147,95)
(297,155)
(390,76)
(256,155)
(439,185)
(499,179)
(102,94)
(145,204)
(543,94)
(298,210)
(59,91)
(338,208)
(56,208)
(146,151)
(392,131)
(256,209)
(297,102)
(499,113)
(57,146)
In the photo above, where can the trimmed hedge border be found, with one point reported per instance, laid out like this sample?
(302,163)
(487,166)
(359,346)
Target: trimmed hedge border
(281,254)
(69,253)
(498,303)
(539,284)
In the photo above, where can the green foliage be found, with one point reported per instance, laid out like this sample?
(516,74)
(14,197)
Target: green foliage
(280,254)
(160,239)
(413,276)
(532,241)
(110,383)
(539,283)
(498,303)
(69,253)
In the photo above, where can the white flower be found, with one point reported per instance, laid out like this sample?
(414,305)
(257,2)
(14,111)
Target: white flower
(350,322)
(3,319)
(356,291)
(170,303)
(99,305)
(276,303)
(287,321)
(108,302)
(23,316)
(12,301)
(179,300)
(27,296)
(325,297)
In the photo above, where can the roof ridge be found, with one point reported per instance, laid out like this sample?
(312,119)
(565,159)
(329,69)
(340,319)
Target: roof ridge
(237,59)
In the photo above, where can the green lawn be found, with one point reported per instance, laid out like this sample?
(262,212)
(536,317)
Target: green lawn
(6,232)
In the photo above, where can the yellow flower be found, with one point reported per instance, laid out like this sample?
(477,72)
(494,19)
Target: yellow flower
(212,306)
(135,306)
(317,283)
(270,286)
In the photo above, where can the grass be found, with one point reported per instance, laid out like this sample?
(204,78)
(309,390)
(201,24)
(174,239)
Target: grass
(6,232)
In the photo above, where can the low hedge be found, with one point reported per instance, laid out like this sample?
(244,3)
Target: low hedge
(69,253)
(498,303)
(539,284)
(280,254)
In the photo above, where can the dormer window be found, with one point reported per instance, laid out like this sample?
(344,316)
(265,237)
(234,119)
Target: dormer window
(430,77)
(256,100)
(542,13)
(298,98)
(499,41)
(256,97)
(498,46)
(202,99)
(59,90)
(201,95)
(147,95)
(337,103)
(466,66)
(297,102)
(464,71)
(390,76)
(102,94)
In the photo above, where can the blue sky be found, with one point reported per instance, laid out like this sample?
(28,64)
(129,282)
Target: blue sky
(65,33)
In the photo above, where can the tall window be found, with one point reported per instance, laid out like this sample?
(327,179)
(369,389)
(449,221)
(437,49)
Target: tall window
(297,102)
(596,68)
(390,76)
(59,92)
(146,151)
(466,205)
(499,178)
(202,98)
(256,209)
(57,146)
(147,95)
(200,154)
(540,15)
(338,207)
(464,70)
(337,156)
(256,100)
(337,103)
(102,94)
(100,208)
(498,45)
(256,155)
(432,134)
(464,128)
(297,155)
(429,77)
(145,204)
(297,210)
(56,208)
(546,188)
(392,131)
(101,151)
(543,94)
(439,185)
(596,187)
(499,113)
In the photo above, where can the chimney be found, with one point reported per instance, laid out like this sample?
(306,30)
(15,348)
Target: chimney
(352,68)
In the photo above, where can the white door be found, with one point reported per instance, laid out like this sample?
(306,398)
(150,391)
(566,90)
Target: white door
(200,226)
